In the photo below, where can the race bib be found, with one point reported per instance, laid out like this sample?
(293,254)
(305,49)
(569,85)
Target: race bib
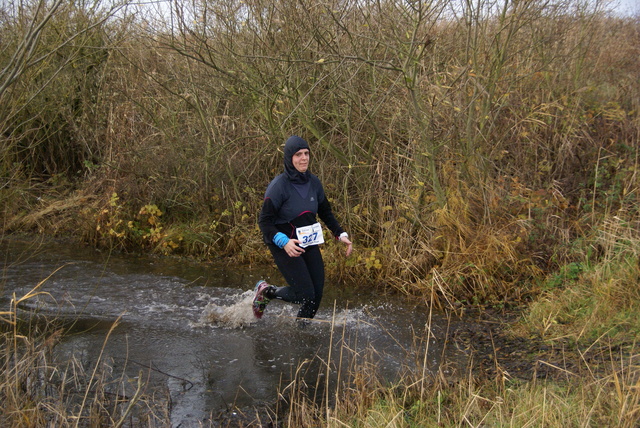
(310,235)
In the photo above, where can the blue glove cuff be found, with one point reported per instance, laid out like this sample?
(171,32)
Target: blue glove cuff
(280,239)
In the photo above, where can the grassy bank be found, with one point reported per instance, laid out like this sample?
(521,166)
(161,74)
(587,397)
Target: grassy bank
(570,359)
(576,398)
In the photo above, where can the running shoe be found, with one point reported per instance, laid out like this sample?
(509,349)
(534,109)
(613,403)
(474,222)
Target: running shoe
(260,300)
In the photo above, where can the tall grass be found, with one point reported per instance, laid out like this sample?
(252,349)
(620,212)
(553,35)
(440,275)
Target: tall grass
(596,297)
(456,140)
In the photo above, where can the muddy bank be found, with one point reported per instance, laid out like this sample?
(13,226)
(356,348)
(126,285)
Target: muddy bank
(497,352)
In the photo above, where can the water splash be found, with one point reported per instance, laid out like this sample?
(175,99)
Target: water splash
(237,314)
(234,311)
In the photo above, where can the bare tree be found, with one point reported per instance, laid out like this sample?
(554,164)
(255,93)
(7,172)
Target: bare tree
(42,40)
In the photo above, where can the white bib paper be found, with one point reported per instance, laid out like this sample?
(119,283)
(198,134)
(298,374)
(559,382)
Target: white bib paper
(310,235)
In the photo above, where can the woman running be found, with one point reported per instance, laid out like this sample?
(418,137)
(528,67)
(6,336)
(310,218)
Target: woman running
(292,233)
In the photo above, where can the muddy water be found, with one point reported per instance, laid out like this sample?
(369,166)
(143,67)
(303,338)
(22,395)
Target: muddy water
(189,327)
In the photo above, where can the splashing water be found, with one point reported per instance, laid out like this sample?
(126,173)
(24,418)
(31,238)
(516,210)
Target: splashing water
(235,312)
(238,314)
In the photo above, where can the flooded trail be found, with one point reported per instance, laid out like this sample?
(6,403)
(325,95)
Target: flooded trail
(189,327)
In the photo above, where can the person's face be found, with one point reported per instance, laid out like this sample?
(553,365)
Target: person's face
(300,160)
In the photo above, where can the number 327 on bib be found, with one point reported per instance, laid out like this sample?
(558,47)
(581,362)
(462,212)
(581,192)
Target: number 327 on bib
(310,235)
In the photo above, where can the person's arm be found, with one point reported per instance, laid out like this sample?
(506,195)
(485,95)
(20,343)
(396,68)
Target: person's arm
(267,223)
(326,215)
(325,212)
(267,220)
(344,238)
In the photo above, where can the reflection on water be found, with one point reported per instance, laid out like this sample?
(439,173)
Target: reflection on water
(190,329)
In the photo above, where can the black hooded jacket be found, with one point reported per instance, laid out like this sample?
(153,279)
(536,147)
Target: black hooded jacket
(294,199)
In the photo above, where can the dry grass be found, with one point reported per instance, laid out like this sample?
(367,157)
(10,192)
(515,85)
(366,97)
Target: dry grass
(51,215)
(458,152)
(600,298)
(579,396)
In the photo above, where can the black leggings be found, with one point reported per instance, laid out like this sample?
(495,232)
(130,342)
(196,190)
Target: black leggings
(305,276)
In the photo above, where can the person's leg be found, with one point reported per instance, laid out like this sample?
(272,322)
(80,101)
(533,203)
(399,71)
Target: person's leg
(315,267)
(295,272)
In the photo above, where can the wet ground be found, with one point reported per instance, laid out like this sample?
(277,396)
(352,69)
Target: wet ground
(496,353)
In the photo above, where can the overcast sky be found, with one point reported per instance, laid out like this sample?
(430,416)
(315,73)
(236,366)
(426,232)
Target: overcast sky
(629,6)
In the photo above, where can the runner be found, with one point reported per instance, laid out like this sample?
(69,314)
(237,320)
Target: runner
(292,233)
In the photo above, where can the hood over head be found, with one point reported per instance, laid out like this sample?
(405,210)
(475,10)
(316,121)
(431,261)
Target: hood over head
(291,147)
